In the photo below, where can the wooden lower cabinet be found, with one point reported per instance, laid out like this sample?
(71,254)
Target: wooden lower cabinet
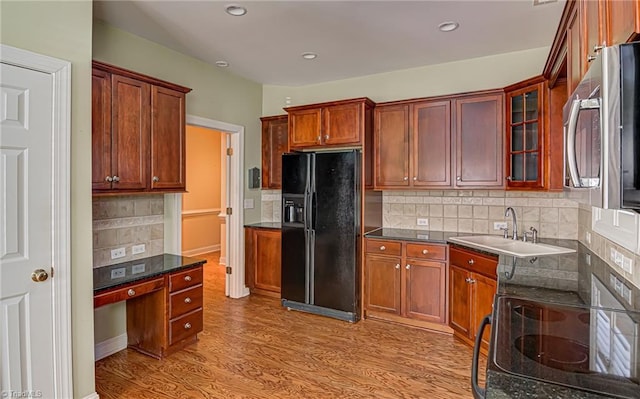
(472,279)
(262,261)
(406,283)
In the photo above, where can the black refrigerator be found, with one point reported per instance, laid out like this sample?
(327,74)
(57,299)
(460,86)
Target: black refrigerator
(320,229)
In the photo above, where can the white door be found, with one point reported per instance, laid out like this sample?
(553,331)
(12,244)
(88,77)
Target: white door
(26,175)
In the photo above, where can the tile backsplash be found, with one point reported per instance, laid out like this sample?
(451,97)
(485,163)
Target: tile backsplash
(475,211)
(124,221)
(271,205)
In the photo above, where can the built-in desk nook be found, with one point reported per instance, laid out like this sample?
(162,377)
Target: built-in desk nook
(164,300)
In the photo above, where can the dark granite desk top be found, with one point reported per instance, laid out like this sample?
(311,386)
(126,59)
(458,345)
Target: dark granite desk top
(265,225)
(107,277)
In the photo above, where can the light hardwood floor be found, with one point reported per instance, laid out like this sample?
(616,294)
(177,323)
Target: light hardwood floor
(253,348)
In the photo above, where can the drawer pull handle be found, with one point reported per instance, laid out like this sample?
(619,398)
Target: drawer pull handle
(187,278)
(471,261)
(382,247)
(187,300)
(397,265)
(131,292)
(187,326)
(424,252)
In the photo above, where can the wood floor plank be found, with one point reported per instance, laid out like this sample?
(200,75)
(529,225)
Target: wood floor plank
(254,348)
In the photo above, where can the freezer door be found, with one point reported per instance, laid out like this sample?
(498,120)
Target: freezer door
(336,217)
(295,173)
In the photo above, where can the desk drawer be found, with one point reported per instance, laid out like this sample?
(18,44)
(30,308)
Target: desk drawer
(185,326)
(383,247)
(185,301)
(128,292)
(473,261)
(188,278)
(426,251)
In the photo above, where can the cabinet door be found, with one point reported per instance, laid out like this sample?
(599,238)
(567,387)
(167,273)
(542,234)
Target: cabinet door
(274,143)
(100,130)
(459,300)
(382,284)
(342,124)
(425,290)
(574,51)
(167,139)
(479,148)
(391,146)
(431,147)
(267,247)
(623,20)
(130,127)
(525,138)
(305,128)
(484,290)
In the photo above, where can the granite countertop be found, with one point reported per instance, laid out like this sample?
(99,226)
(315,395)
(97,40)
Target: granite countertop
(439,237)
(107,277)
(265,225)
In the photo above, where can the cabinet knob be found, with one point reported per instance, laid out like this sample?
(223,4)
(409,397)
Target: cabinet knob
(326,137)
(109,179)
(509,178)
(397,265)
(597,48)
(469,280)
(131,292)
(471,261)
(424,252)
(116,179)
(458,178)
(591,58)
(156,179)
(408,266)
(405,178)
(415,178)
(187,300)
(187,326)
(319,138)
(187,278)
(382,247)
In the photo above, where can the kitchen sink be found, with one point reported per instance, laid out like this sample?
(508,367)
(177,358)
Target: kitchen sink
(505,246)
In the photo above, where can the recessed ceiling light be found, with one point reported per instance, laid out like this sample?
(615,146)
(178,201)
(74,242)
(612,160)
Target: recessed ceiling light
(309,56)
(448,26)
(236,10)
(222,64)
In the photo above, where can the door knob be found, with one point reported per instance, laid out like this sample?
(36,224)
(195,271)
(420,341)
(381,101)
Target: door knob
(39,275)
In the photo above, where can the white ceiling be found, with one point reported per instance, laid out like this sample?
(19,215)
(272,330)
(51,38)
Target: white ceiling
(351,38)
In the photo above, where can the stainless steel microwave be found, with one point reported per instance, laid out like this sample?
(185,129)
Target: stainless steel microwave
(602,130)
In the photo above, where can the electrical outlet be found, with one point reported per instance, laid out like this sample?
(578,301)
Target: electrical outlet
(587,237)
(135,269)
(119,272)
(627,264)
(118,253)
(137,249)
(499,225)
(422,222)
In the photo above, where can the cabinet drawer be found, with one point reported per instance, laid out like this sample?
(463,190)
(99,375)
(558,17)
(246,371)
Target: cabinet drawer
(128,292)
(185,301)
(188,278)
(473,261)
(384,247)
(426,251)
(185,326)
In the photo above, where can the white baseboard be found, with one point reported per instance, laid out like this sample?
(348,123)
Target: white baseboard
(201,250)
(110,346)
(93,395)
(223,261)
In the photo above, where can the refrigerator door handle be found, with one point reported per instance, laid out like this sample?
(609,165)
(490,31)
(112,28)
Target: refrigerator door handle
(307,262)
(310,272)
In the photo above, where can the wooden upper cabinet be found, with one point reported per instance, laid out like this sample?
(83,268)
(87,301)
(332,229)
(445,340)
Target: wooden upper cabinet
(594,29)
(275,142)
(130,129)
(622,20)
(334,124)
(101,130)
(138,132)
(574,51)
(305,128)
(431,144)
(478,141)
(167,139)
(391,146)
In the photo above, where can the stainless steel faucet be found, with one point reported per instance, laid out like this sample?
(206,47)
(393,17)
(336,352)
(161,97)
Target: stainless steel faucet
(512,212)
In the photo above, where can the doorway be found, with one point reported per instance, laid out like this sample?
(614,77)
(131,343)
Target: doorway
(234,256)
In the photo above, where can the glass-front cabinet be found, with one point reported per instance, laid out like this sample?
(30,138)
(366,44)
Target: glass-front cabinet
(524,137)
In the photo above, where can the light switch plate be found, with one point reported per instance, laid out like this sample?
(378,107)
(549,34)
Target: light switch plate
(137,249)
(118,253)
(422,222)
(499,225)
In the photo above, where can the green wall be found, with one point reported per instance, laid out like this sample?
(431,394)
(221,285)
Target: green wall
(63,30)
(490,72)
